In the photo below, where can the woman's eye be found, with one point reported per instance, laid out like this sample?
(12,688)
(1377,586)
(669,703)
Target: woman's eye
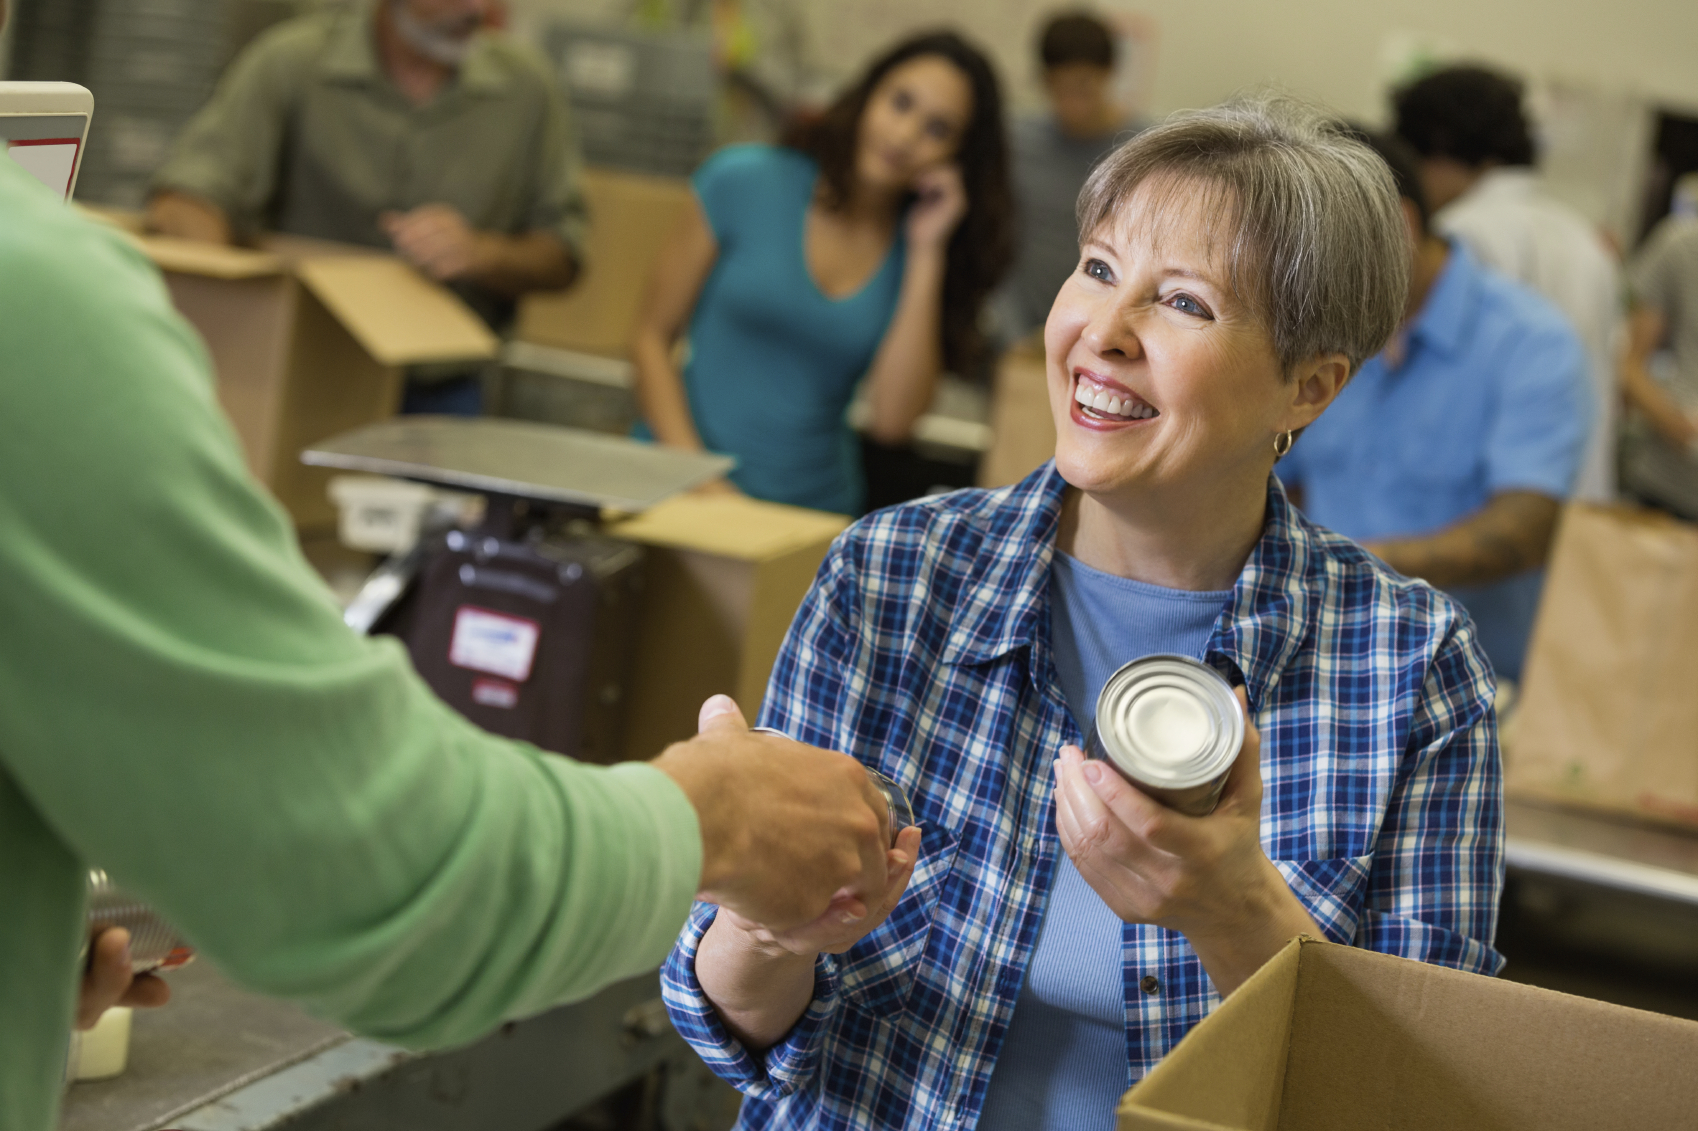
(1099,271)
(1185,304)
(901,100)
(939,130)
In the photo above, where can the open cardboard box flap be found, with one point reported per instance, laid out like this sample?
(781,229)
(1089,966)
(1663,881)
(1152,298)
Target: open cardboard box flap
(397,315)
(308,339)
(1329,1037)
(195,257)
(732,526)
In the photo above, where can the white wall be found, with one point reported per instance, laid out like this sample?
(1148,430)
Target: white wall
(1337,49)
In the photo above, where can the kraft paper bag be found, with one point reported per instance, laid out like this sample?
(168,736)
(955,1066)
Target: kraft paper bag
(1608,716)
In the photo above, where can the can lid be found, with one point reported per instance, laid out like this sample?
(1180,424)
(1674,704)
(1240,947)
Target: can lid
(1169,721)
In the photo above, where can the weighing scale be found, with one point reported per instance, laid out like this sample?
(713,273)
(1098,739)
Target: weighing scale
(524,624)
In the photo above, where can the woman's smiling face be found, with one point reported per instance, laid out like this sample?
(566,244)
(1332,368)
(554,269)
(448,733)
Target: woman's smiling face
(1159,374)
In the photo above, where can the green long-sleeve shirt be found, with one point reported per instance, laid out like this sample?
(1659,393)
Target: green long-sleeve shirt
(181,705)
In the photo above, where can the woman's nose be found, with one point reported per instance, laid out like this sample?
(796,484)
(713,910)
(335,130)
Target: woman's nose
(1110,332)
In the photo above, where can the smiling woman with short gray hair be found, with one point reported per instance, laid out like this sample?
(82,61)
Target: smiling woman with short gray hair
(1060,930)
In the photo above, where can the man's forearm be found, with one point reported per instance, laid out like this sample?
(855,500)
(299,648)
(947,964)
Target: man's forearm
(1507,536)
(513,265)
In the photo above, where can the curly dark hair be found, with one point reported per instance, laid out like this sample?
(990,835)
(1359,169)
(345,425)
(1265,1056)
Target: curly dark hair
(1470,114)
(1076,37)
(982,246)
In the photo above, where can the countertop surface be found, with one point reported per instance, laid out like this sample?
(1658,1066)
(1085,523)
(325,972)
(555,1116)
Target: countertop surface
(213,1038)
(1602,849)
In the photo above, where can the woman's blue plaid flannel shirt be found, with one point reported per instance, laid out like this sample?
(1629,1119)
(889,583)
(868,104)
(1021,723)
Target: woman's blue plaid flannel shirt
(923,649)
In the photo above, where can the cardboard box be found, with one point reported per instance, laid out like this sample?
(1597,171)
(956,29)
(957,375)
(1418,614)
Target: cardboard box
(1607,717)
(632,218)
(1022,427)
(308,339)
(725,576)
(1329,1037)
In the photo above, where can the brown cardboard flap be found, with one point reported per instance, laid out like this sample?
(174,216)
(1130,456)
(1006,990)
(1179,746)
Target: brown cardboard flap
(1250,1035)
(397,315)
(725,576)
(215,261)
(1331,1037)
(124,219)
(731,526)
(1385,1042)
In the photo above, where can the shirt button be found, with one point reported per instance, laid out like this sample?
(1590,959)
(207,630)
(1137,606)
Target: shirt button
(1150,984)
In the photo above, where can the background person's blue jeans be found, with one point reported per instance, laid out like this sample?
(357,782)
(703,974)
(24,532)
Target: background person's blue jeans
(456,396)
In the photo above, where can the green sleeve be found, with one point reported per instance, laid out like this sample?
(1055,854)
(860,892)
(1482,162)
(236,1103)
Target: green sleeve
(181,704)
(229,152)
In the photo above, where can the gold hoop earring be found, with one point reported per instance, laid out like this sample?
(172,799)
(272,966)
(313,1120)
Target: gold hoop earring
(1282,444)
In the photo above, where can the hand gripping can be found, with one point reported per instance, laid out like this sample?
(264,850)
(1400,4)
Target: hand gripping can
(154,944)
(1172,727)
(895,800)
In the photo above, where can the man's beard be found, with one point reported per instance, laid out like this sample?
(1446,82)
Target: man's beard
(447,42)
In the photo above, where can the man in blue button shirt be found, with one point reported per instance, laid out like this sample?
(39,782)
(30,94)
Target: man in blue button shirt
(1450,453)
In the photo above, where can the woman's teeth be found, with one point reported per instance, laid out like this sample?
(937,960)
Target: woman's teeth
(1105,403)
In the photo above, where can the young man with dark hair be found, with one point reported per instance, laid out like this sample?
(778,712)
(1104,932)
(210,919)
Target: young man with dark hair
(1449,454)
(1053,155)
(1476,162)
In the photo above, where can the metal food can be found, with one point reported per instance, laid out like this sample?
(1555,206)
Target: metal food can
(1172,727)
(154,944)
(895,799)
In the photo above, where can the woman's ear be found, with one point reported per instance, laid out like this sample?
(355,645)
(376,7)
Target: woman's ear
(1317,382)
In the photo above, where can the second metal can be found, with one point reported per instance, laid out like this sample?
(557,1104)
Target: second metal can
(154,944)
(1172,727)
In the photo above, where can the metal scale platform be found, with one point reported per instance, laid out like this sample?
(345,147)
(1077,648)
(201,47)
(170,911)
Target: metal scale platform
(524,624)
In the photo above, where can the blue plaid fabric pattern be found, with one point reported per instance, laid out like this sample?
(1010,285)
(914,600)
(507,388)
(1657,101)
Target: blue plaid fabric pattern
(923,649)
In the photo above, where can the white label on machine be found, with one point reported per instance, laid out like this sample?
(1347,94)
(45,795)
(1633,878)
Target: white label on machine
(52,161)
(494,643)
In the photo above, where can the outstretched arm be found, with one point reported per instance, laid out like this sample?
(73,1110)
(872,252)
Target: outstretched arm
(1507,536)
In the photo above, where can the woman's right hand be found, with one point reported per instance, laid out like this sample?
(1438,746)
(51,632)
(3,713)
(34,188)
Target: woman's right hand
(833,932)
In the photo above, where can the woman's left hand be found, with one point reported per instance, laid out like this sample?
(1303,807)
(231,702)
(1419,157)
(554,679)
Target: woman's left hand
(1206,877)
(941,203)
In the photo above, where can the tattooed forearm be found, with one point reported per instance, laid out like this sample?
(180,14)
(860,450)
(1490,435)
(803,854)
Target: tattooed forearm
(1511,533)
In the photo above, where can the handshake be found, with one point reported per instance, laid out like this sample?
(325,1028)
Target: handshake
(789,832)
(794,838)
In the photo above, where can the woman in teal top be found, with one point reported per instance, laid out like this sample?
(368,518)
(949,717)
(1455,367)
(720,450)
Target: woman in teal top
(863,249)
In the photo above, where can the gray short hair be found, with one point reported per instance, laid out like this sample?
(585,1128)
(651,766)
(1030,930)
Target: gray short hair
(1314,232)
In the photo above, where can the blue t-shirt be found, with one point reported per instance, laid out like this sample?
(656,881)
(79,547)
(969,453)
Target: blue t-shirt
(1063,1064)
(1492,396)
(773,363)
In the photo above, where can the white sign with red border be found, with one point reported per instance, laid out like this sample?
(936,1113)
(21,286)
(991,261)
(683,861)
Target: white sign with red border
(50,160)
(492,642)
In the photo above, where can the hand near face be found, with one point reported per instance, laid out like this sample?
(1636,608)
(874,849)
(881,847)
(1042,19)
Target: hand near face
(1152,864)
(109,982)
(436,239)
(941,202)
